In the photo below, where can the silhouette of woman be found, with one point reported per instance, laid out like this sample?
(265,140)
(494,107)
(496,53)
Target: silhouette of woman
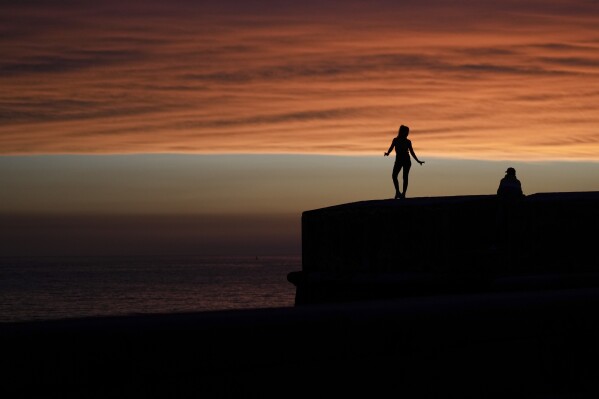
(403,150)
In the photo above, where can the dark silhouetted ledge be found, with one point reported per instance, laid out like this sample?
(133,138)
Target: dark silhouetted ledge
(422,246)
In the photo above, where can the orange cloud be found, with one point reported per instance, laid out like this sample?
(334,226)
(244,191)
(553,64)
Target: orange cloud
(515,80)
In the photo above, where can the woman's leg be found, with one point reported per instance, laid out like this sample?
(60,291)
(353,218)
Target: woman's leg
(396,169)
(406,173)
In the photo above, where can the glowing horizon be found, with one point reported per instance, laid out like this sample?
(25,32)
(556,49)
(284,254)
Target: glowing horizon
(487,80)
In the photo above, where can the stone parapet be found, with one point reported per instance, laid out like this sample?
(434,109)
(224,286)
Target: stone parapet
(434,241)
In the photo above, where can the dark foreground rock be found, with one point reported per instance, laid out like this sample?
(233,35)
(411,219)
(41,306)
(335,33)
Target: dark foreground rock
(541,344)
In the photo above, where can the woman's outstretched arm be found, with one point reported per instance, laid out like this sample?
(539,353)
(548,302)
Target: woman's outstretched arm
(414,154)
(390,148)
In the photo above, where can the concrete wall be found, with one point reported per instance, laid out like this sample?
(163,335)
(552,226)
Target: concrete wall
(442,238)
(540,232)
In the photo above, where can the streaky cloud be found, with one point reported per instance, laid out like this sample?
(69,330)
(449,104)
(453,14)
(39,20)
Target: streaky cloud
(477,79)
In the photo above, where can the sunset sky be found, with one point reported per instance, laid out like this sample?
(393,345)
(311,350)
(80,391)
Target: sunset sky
(207,127)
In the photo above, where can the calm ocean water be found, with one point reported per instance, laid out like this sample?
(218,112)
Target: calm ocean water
(55,287)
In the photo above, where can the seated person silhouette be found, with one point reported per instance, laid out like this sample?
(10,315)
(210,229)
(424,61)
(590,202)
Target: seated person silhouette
(510,186)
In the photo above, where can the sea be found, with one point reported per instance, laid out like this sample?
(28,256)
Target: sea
(48,288)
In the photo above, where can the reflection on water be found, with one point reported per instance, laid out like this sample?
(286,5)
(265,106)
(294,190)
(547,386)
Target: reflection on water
(49,288)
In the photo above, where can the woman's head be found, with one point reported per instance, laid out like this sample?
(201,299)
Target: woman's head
(403,131)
